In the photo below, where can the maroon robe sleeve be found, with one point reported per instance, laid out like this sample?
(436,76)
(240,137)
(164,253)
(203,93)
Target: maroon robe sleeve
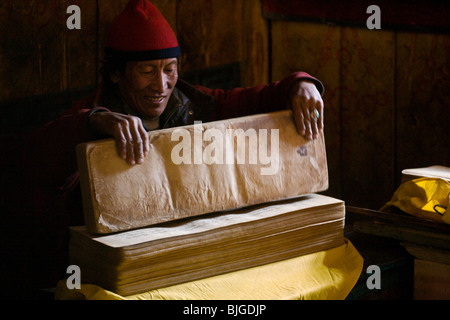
(253,100)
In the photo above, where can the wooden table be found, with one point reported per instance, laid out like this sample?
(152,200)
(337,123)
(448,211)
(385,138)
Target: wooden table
(427,241)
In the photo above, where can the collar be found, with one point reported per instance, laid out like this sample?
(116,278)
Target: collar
(181,95)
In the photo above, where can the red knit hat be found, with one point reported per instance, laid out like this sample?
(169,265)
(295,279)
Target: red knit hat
(141,33)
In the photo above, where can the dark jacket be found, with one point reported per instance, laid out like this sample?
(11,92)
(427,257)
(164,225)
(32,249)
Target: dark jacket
(186,105)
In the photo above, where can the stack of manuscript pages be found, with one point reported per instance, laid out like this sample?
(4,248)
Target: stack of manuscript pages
(209,199)
(158,256)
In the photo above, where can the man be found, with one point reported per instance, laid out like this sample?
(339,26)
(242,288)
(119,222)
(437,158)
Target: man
(141,91)
(150,76)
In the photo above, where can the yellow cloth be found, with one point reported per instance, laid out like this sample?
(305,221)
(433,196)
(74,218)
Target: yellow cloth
(325,275)
(422,197)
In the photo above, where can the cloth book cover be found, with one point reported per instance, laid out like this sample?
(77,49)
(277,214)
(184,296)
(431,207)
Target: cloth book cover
(175,252)
(199,169)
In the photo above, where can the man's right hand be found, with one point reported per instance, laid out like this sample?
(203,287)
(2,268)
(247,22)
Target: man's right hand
(131,138)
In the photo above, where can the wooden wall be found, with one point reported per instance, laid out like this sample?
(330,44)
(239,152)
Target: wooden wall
(387,101)
(39,55)
(387,93)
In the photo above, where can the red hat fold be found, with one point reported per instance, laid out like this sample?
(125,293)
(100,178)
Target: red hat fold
(141,33)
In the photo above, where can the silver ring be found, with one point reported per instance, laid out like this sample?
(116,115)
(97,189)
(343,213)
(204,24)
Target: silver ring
(315,115)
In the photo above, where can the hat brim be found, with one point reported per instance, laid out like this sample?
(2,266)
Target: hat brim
(145,55)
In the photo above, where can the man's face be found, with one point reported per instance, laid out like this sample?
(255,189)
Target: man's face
(146,86)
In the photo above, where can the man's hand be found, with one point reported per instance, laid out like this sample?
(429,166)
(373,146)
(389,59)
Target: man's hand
(131,138)
(304,100)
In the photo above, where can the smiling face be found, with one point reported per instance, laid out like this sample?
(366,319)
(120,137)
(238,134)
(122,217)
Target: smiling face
(146,86)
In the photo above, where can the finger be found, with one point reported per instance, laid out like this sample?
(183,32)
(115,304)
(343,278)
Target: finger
(320,108)
(121,142)
(130,151)
(309,131)
(300,108)
(313,120)
(314,128)
(128,142)
(308,123)
(299,121)
(145,139)
(137,141)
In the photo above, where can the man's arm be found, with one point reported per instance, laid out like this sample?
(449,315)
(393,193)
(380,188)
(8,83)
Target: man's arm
(49,153)
(299,91)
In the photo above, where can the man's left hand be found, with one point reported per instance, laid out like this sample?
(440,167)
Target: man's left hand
(307,107)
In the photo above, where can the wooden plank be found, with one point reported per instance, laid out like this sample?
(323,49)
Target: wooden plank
(255,56)
(49,41)
(80,48)
(425,238)
(431,280)
(368,115)
(210,33)
(404,219)
(32,46)
(40,55)
(427,253)
(168,9)
(401,227)
(314,48)
(423,97)
(107,12)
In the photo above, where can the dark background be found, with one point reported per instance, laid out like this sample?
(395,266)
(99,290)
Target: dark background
(387,94)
